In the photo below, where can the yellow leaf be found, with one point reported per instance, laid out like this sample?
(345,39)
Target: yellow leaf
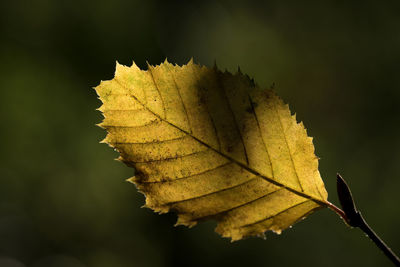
(208,144)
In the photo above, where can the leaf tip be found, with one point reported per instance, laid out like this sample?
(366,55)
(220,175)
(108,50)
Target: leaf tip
(117,64)
(185,221)
(119,68)
(188,224)
(263,235)
(134,66)
(191,61)
(215,67)
(120,158)
(148,64)
(101,124)
(132,179)
(277,231)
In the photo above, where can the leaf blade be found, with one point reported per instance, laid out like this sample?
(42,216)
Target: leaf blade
(246,161)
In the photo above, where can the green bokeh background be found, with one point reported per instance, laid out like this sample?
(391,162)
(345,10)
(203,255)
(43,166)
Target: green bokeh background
(63,199)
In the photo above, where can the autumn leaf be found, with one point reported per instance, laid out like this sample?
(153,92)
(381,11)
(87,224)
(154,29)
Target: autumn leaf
(208,144)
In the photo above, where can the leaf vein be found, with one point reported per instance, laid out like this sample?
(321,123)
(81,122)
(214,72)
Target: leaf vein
(158,90)
(287,145)
(272,216)
(238,206)
(130,126)
(189,176)
(183,103)
(208,112)
(233,116)
(261,135)
(212,193)
(170,158)
(145,143)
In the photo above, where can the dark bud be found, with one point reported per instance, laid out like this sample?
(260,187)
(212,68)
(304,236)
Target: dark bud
(347,202)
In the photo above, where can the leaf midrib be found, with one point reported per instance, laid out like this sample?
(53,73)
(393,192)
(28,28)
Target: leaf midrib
(268,179)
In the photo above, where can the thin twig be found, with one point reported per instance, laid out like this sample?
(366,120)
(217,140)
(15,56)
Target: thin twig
(352,216)
(378,241)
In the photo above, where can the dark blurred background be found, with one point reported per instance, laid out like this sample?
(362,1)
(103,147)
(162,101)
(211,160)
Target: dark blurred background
(64,200)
